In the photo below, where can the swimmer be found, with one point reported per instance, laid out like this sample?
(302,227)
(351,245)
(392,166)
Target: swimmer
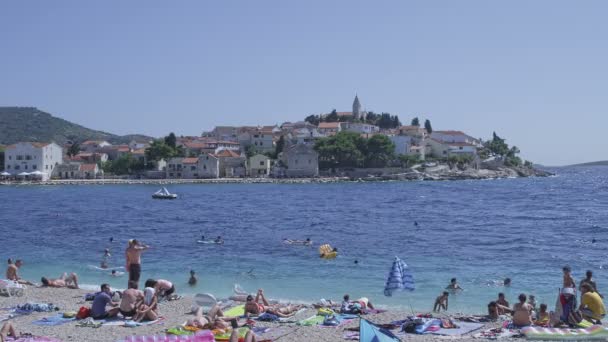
(441,302)
(192,281)
(453,285)
(219,240)
(356,262)
(308,242)
(593,240)
(416,223)
(104,260)
(507,282)
(111,239)
(202,237)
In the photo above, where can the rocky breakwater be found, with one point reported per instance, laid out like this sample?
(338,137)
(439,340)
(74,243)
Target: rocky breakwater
(445,172)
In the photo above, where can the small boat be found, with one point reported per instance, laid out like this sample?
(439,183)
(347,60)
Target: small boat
(164,194)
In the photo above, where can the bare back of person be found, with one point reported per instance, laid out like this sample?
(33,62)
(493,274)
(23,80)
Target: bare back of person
(130,297)
(134,255)
(522,314)
(11,272)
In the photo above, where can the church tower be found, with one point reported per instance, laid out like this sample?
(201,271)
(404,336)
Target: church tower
(357,108)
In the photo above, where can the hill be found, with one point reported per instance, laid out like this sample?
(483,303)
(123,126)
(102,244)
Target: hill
(31,124)
(595,163)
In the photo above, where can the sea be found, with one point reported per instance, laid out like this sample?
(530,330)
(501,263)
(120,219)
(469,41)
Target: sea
(478,231)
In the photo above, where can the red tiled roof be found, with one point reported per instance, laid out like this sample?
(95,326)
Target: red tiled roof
(195,144)
(84,155)
(189,160)
(87,167)
(139,151)
(92,142)
(329,124)
(123,149)
(227,154)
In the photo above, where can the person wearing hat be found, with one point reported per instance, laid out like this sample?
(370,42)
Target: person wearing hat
(133,256)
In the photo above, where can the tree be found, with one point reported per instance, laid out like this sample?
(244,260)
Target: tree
(171,140)
(250,151)
(427,126)
(313,119)
(380,150)
(416,122)
(279,146)
(332,117)
(74,149)
(408,160)
(1,158)
(159,150)
(124,165)
(341,150)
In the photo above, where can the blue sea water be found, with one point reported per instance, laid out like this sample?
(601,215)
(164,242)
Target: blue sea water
(477,231)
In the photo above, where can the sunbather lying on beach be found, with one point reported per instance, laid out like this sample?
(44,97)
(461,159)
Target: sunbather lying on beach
(255,308)
(69,281)
(213,320)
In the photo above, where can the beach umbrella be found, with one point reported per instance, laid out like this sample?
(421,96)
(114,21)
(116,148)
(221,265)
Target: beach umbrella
(23,174)
(5,174)
(36,173)
(371,333)
(399,278)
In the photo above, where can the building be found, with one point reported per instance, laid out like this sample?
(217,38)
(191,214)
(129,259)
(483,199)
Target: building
(261,140)
(441,149)
(413,131)
(359,127)
(136,144)
(231,164)
(94,145)
(229,133)
(357,112)
(301,161)
(184,168)
(209,166)
(33,156)
(259,166)
(455,137)
(329,128)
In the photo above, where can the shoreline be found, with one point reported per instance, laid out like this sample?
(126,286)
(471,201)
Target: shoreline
(178,311)
(406,176)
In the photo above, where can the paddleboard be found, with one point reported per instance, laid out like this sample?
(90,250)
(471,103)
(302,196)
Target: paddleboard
(208,242)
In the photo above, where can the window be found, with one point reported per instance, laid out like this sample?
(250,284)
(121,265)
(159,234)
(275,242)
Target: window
(261,163)
(34,167)
(25,166)
(16,167)
(8,167)
(46,167)
(204,167)
(171,174)
(71,173)
(460,148)
(19,157)
(10,157)
(296,162)
(195,175)
(28,157)
(192,168)
(309,161)
(179,174)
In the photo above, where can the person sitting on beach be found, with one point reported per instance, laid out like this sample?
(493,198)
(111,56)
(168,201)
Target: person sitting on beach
(568,280)
(130,298)
(69,281)
(522,312)
(345,307)
(101,300)
(532,302)
(12,272)
(502,304)
(147,308)
(453,285)
(589,280)
(105,258)
(441,302)
(543,316)
(192,281)
(493,311)
(164,288)
(592,307)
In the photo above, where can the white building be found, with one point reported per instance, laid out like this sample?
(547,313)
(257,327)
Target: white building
(443,150)
(32,156)
(301,161)
(455,137)
(261,140)
(94,145)
(408,146)
(329,128)
(359,127)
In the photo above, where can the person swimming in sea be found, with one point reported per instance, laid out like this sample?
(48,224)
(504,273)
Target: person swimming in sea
(219,240)
(111,239)
(192,281)
(416,223)
(105,258)
(356,262)
(454,286)
(507,282)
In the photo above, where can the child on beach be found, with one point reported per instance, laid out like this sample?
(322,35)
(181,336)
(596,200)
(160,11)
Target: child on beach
(441,302)
(543,316)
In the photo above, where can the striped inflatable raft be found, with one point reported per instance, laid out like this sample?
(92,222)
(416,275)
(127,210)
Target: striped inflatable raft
(596,332)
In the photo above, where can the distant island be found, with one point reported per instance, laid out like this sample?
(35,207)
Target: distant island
(337,145)
(595,163)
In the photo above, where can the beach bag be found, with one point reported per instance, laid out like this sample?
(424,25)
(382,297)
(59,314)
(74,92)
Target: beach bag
(266,317)
(331,321)
(409,327)
(83,312)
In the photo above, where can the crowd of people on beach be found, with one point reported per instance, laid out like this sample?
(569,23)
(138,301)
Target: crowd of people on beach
(526,313)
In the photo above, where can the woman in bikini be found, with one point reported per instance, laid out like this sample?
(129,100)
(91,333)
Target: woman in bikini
(522,312)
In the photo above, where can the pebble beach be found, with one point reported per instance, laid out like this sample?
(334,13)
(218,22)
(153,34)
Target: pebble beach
(176,313)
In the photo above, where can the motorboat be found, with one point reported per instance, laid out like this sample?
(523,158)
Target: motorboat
(164,194)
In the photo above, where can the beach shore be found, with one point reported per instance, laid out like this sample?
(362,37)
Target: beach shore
(176,313)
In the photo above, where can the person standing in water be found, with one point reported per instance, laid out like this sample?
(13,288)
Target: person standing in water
(105,258)
(192,281)
(133,256)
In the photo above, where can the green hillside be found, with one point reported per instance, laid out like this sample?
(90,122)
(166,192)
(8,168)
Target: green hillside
(31,124)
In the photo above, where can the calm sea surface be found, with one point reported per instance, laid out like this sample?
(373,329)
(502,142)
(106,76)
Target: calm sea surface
(477,231)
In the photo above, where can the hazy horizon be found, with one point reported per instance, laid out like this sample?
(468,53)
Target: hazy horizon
(533,72)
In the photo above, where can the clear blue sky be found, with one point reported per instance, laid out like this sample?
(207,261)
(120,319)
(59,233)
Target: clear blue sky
(534,71)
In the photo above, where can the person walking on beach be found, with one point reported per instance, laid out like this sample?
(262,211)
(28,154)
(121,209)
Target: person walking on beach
(133,255)
(441,302)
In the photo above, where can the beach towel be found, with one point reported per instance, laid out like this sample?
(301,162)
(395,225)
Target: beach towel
(201,336)
(236,311)
(497,333)
(596,332)
(339,319)
(313,320)
(428,325)
(463,328)
(35,307)
(53,320)
(266,317)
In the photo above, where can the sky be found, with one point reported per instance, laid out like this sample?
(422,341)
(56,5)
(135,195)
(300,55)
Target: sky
(533,71)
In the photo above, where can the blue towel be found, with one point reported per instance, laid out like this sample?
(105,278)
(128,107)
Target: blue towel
(53,320)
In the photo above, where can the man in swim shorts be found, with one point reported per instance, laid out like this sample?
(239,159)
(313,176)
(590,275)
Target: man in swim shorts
(130,298)
(133,256)
(69,281)
(102,299)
